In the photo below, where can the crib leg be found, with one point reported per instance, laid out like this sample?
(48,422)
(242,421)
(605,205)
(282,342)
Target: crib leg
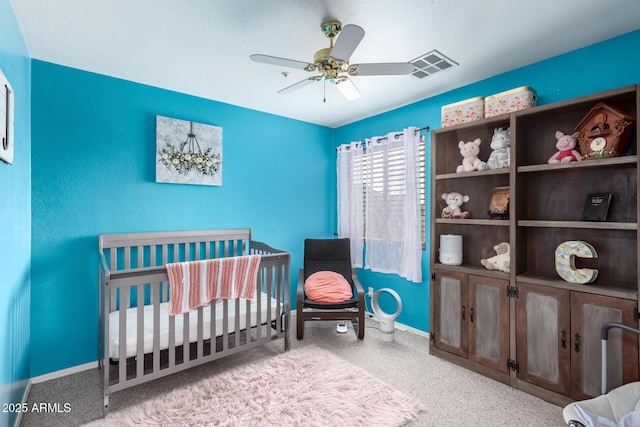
(285,327)
(106,405)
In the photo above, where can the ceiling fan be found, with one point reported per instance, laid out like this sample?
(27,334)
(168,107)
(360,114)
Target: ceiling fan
(333,62)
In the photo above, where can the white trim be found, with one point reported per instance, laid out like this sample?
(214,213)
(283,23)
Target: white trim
(25,399)
(401,327)
(64,372)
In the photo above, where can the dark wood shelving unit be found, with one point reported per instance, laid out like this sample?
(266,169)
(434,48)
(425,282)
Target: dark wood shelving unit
(545,209)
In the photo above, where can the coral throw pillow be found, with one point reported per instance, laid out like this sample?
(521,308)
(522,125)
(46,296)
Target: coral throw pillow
(327,287)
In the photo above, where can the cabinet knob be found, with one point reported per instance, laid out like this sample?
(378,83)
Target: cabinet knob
(563,338)
(577,343)
(471,315)
(464,312)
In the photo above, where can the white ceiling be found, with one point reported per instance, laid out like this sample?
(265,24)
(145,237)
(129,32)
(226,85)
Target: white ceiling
(202,47)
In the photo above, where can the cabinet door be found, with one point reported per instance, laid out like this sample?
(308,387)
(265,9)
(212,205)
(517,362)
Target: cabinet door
(450,312)
(588,313)
(543,337)
(489,322)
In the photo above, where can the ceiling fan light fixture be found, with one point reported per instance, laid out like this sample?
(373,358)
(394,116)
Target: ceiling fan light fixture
(347,89)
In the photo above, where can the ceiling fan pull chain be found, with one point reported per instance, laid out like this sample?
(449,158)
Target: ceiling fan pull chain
(324,90)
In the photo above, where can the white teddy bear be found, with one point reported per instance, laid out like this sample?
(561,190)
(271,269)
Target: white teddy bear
(502,261)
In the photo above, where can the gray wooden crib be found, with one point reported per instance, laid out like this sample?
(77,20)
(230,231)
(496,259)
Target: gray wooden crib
(139,341)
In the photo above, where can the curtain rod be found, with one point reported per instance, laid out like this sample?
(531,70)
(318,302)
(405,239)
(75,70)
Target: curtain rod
(426,128)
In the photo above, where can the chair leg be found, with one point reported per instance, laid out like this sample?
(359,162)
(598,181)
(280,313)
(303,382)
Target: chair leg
(361,325)
(299,326)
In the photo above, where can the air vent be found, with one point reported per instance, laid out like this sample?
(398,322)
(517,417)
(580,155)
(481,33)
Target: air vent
(430,63)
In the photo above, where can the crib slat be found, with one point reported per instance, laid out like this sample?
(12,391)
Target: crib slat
(225,325)
(140,332)
(185,338)
(212,325)
(140,250)
(113,300)
(152,256)
(200,332)
(259,290)
(166,260)
(172,341)
(236,330)
(279,292)
(164,254)
(155,300)
(269,295)
(122,333)
(247,321)
(127,257)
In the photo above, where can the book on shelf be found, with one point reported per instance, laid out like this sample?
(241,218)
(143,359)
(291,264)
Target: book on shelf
(596,207)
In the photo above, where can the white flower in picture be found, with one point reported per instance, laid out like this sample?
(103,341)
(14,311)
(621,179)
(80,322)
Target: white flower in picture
(188,152)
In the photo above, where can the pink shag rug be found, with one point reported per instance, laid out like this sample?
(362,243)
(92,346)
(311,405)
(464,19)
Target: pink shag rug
(303,387)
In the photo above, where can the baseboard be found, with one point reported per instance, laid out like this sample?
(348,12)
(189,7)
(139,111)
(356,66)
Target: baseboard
(401,327)
(64,372)
(25,399)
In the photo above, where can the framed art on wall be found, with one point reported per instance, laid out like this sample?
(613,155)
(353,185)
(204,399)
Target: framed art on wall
(188,152)
(6,120)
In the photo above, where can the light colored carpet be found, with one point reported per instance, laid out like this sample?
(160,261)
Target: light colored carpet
(453,396)
(308,386)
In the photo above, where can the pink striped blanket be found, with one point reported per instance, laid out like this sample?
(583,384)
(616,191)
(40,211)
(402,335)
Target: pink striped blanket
(195,284)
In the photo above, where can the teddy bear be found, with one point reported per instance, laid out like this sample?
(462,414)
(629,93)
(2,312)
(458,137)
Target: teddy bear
(454,201)
(566,149)
(470,160)
(500,142)
(501,261)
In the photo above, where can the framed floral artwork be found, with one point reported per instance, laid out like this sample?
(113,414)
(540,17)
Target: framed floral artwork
(188,152)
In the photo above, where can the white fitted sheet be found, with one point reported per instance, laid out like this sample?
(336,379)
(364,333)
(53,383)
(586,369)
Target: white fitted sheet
(132,324)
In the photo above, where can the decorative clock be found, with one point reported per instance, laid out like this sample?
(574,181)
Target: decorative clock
(604,132)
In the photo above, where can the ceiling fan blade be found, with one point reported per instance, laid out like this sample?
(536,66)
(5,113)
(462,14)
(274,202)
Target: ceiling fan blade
(348,89)
(300,84)
(384,69)
(347,42)
(283,62)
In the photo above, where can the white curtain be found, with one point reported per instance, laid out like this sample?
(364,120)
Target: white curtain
(392,205)
(387,173)
(349,166)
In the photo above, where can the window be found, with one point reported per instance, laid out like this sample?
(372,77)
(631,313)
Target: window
(381,201)
(395,180)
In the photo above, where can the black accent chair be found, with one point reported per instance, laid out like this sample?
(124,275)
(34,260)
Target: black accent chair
(329,255)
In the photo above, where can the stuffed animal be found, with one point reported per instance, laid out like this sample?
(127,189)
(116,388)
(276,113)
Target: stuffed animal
(566,149)
(501,261)
(454,202)
(500,142)
(470,160)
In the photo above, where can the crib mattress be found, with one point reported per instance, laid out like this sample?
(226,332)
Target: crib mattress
(132,324)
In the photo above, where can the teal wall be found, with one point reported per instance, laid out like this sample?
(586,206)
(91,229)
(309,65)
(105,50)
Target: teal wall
(15,224)
(563,77)
(94,172)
